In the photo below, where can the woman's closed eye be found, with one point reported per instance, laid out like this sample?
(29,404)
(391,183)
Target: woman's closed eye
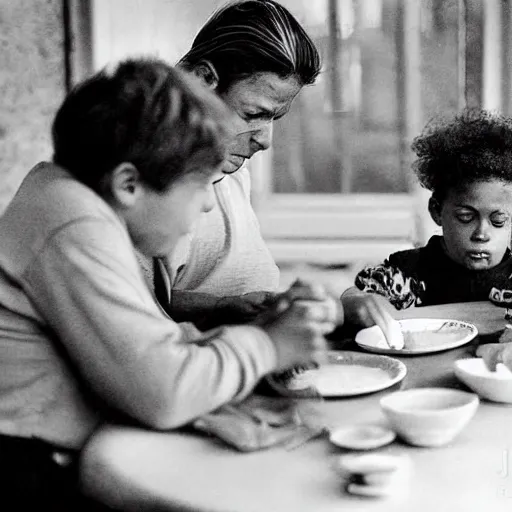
(264,115)
(256,116)
(253,117)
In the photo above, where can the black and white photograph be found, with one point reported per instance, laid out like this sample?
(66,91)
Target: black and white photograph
(256,255)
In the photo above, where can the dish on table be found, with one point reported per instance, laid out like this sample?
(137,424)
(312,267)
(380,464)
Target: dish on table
(361,436)
(374,474)
(343,373)
(429,416)
(421,336)
(495,386)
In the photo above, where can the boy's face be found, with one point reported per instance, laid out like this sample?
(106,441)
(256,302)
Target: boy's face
(476,222)
(160,219)
(258,100)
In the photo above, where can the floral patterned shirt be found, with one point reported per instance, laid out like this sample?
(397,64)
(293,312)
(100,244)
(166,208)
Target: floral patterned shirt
(427,276)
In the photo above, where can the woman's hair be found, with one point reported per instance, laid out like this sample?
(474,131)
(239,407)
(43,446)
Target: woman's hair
(145,113)
(251,36)
(473,146)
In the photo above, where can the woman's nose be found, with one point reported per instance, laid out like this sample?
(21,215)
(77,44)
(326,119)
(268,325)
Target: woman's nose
(263,136)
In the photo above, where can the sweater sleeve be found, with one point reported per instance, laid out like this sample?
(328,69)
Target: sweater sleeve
(87,285)
(390,281)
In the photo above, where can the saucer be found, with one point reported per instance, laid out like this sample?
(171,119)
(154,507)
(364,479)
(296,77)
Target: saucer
(362,436)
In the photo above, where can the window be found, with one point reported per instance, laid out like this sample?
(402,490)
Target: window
(338,185)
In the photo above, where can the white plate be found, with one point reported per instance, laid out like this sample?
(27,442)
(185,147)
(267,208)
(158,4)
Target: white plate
(421,336)
(344,373)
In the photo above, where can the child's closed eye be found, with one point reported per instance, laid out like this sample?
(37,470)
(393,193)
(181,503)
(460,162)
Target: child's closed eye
(465,218)
(499,220)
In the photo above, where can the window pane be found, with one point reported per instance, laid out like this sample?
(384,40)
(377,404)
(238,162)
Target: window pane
(439,66)
(342,134)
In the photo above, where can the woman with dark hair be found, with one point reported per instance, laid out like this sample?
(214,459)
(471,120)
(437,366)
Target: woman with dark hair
(253,36)
(255,55)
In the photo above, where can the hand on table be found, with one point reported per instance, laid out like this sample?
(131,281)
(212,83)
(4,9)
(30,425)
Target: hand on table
(297,321)
(367,309)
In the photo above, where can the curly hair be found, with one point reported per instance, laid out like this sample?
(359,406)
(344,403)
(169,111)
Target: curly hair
(476,145)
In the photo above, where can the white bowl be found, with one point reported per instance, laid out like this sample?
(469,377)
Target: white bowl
(495,386)
(429,416)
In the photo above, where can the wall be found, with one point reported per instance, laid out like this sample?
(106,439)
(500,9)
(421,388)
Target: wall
(32,64)
(32,78)
(164,28)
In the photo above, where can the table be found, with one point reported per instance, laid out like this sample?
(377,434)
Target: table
(135,469)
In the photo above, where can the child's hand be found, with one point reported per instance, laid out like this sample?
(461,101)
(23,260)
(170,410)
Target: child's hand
(367,309)
(506,334)
(494,353)
(297,322)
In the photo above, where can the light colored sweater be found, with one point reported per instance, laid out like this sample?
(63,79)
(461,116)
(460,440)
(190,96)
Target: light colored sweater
(226,254)
(81,334)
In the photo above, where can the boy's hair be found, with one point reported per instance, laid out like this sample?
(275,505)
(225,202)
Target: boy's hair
(251,36)
(145,113)
(474,146)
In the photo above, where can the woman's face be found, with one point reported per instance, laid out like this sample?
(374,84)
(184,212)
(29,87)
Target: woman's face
(476,222)
(258,100)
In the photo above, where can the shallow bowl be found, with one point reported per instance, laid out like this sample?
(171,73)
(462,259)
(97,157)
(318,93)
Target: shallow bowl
(495,386)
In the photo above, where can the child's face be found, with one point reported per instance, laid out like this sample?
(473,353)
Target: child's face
(160,219)
(476,222)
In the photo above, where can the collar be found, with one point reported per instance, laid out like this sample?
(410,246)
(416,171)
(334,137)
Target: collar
(436,253)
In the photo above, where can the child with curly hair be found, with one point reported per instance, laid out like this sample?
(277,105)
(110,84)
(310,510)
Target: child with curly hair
(467,165)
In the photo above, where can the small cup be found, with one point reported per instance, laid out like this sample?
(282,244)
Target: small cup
(374,474)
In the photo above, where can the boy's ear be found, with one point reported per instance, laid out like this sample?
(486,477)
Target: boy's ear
(434,209)
(206,72)
(124,185)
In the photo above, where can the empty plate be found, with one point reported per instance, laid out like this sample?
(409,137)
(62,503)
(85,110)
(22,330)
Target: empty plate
(421,336)
(343,373)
